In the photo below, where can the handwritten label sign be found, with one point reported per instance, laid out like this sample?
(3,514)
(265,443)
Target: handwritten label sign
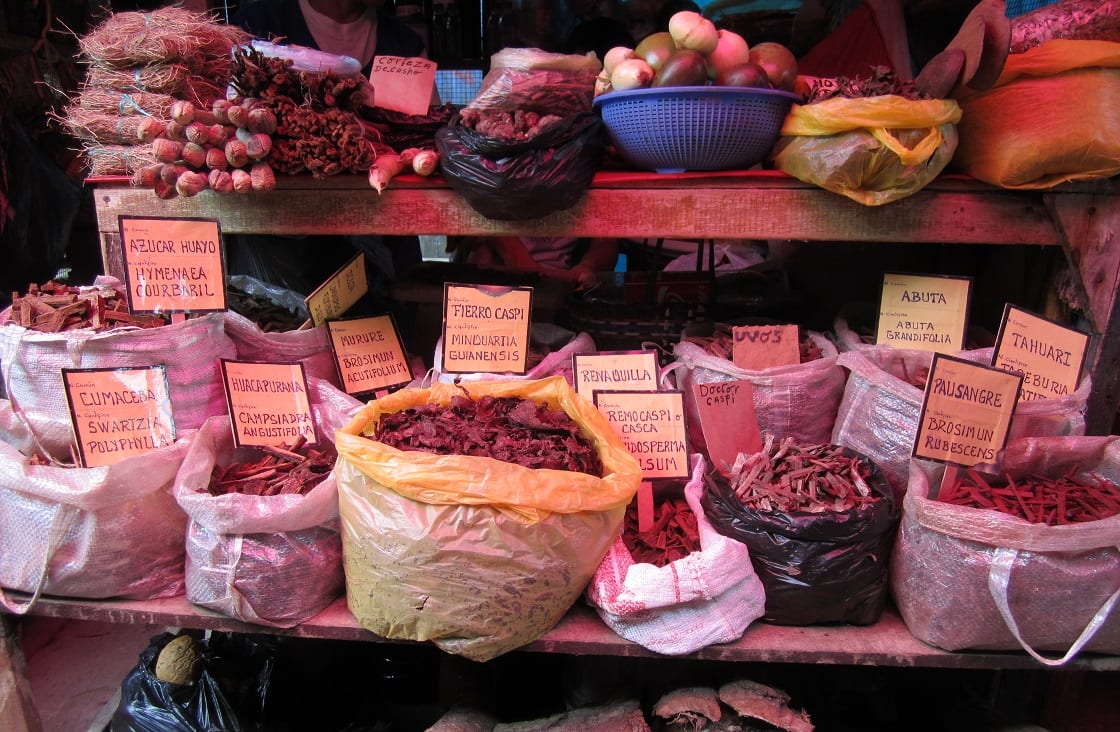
(1048,355)
(614,370)
(268,403)
(368,353)
(118,412)
(966,412)
(652,426)
(403,83)
(486,328)
(923,313)
(725,410)
(173,265)
(339,292)
(758,347)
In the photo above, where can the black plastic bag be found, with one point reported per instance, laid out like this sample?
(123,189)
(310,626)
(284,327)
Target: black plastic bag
(522,180)
(228,697)
(816,568)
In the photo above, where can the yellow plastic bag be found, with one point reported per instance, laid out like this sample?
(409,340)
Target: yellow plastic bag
(873,150)
(474,554)
(1050,118)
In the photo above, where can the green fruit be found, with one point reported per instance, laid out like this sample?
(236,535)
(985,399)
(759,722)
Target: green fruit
(655,49)
(778,61)
(745,74)
(684,68)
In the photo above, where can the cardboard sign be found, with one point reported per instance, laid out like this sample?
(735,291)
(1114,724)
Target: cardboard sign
(1048,355)
(368,354)
(268,403)
(727,421)
(118,412)
(339,292)
(758,347)
(966,412)
(923,313)
(403,83)
(486,328)
(615,371)
(173,265)
(652,426)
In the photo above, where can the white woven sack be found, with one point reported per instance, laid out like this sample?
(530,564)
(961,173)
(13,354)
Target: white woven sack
(310,346)
(33,363)
(709,596)
(798,400)
(557,362)
(112,531)
(271,560)
(879,412)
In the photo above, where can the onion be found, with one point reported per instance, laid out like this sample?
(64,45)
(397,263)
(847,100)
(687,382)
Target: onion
(617,54)
(633,73)
(691,30)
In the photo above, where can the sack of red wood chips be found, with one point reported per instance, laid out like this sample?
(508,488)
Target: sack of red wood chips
(309,346)
(32,361)
(478,555)
(882,403)
(798,401)
(112,531)
(550,354)
(268,559)
(708,596)
(1026,132)
(972,578)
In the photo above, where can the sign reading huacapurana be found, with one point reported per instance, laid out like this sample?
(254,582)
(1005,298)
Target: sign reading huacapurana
(485,328)
(268,403)
(966,412)
(339,292)
(652,426)
(118,412)
(173,264)
(926,313)
(368,353)
(614,371)
(1049,355)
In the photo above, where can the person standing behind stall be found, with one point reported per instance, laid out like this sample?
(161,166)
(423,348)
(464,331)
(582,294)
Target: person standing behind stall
(360,29)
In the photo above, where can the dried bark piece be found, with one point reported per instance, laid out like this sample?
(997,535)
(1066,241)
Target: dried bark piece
(625,716)
(758,701)
(690,709)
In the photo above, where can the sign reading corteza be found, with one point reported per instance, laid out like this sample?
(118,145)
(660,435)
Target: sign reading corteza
(1049,355)
(921,312)
(966,412)
(173,265)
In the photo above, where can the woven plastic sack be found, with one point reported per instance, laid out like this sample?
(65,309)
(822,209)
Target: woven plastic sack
(540,81)
(558,345)
(968,578)
(881,406)
(270,560)
(32,364)
(874,150)
(1027,132)
(816,568)
(477,555)
(309,346)
(798,400)
(707,597)
(112,531)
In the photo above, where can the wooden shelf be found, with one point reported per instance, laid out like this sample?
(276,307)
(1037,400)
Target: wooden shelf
(582,633)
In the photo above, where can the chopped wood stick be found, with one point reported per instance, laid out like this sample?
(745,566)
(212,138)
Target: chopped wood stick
(1066,499)
(674,534)
(290,469)
(54,308)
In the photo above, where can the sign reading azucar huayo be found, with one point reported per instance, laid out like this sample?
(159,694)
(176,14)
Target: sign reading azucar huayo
(118,412)
(268,403)
(173,265)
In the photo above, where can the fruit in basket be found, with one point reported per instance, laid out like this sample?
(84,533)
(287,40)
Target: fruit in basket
(778,61)
(655,49)
(693,31)
(616,55)
(731,50)
(684,68)
(745,74)
(633,73)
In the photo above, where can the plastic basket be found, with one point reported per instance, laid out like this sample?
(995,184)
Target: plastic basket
(676,128)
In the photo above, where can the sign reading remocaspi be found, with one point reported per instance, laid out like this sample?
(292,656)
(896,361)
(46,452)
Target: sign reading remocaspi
(653,428)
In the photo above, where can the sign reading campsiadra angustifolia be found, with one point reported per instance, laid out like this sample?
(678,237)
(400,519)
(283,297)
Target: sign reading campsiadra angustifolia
(268,403)
(921,312)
